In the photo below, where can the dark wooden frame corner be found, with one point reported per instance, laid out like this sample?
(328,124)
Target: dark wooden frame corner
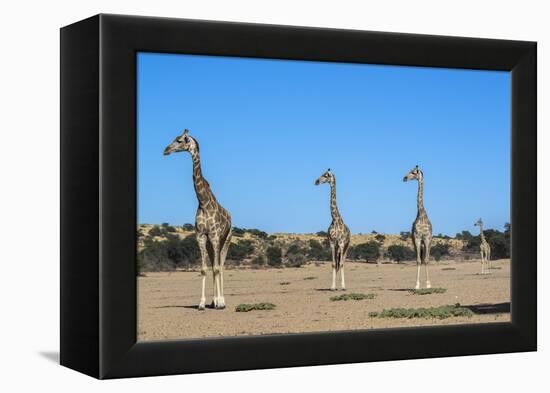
(98,195)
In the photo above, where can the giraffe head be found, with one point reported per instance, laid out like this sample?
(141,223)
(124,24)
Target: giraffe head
(414,174)
(182,142)
(478,223)
(326,177)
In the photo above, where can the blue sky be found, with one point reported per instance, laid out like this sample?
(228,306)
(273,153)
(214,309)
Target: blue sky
(268,128)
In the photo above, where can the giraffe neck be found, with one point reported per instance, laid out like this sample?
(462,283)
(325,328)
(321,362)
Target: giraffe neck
(481,235)
(420,196)
(333,208)
(202,188)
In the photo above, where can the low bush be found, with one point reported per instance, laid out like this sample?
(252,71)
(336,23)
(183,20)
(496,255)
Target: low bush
(352,296)
(255,306)
(441,312)
(427,291)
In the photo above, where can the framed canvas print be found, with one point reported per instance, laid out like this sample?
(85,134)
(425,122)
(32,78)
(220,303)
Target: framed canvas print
(240,196)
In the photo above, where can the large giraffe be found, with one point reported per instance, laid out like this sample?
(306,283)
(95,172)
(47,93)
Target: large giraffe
(212,222)
(421,229)
(484,249)
(338,233)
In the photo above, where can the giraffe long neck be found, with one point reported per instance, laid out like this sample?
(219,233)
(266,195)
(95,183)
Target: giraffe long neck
(333,207)
(420,196)
(202,188)
(481,235)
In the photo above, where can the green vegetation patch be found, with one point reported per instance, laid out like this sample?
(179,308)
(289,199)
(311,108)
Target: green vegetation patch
(310,278)
(284,283)
(255,306)
(449,268)
(441,312)
(352,296)
(427,291)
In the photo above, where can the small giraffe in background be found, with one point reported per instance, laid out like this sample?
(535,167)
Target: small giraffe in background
(484,249)
(338,233)
(212,222)
(422,227)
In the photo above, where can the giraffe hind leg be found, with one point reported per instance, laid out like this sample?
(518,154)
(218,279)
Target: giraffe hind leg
(223,255)
(427,246)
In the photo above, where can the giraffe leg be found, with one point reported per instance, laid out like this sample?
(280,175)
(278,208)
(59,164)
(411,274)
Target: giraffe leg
(418,248)
(342,265)
(332,247)
(223,255)
(216,247)
(488,253)
(201,239)
(483,263)
(426,261)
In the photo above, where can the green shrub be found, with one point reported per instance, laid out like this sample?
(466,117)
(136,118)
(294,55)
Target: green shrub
(258,233)
(274,256)
(240,250)
(255,306)
(156,231)
(322,234)
(352,296)
(427,291)
(441,312)
(318,251)
(380,238)
(167,255)
(258,261)
(400,253)
(369,251)
(188,227)
(439,250)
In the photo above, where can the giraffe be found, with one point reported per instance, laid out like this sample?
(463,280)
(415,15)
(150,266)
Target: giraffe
(421,229)
(484,249)
(212,222)
(338,233)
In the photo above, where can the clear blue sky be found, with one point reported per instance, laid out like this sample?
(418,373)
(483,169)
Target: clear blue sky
(268,128)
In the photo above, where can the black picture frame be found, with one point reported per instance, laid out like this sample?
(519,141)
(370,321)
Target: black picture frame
(98,196)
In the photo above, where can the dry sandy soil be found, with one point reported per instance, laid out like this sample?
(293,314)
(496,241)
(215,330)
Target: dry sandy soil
(167,301)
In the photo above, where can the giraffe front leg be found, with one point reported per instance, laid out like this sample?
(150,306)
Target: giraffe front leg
(201,240)
(482,263)
(333,286)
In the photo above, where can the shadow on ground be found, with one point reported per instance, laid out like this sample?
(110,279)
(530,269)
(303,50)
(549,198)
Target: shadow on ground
(52,356)
(498,308)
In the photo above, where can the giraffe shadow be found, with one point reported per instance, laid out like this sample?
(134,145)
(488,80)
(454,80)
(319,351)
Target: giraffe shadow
(195,307)
(497,308)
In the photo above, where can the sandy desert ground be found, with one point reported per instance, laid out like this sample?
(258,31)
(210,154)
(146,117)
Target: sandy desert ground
(167,301)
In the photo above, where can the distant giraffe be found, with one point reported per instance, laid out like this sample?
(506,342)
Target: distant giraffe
(422,227)
(212,222)
(484,249)
(338,233)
